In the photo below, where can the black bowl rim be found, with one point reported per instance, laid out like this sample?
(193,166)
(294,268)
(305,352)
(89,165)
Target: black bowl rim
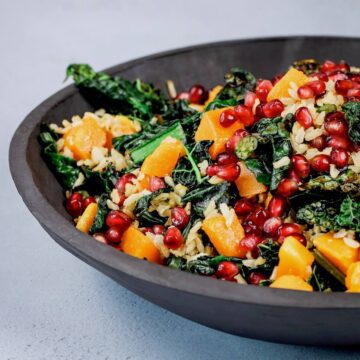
(85,246)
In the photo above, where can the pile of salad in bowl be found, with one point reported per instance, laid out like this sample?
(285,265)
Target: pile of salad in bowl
(255,181)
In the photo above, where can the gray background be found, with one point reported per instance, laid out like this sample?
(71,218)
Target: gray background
(52,305)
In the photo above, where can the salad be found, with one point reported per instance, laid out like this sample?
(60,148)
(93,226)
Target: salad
(254,181)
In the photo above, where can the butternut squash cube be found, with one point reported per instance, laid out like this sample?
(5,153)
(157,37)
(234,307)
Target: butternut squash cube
(294,259)
(213,93)
(87,218)
(83,138)
(352,280)
(291,282)
(164,159)
(136,244)
(336,251)
(210,129)
(226,240)
(281,88)
(247,184)
(122,126)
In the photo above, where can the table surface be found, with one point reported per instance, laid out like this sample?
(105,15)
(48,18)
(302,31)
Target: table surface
(52,305)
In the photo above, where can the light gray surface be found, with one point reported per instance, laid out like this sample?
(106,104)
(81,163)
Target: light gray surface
(53,306)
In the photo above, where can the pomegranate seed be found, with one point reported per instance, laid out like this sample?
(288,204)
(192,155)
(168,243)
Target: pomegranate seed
(228,172)
(259,112)
(338,76)
(228,117)
(321,163)
(212,170)
(273,108)
(303,117)
(320,76)
(122,198)
(114,234)
(173,238)
(156,183)
(305,92)
(74,205)
(343,66)
(123,180)
(235,138)
(100,238)
(197,94)
(227,270)
(158,229)
(147,230)
(336,126)
(179,217)
(301,238)
(339,157)
(288,229)
(87,201)
(250,241)
(118,218)
(337,142)
(319,142)
(251,228)
(255,278)
(226,159)
(301,166)
(271,226)
(294,176)
(287,187)
(317,86)
(244,115)
(243,207)
(250,99)
(353,98)
(182,96)
(327,66)
(343,86)
(276,206)
(355,77)
(353,93)
(258,217)
(263,87)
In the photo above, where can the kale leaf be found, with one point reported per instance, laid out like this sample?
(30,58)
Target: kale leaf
(99,221)
(349,215)
(98,182)
(321,281)
(352,113)
(307,66)
(259,168)
(269,250)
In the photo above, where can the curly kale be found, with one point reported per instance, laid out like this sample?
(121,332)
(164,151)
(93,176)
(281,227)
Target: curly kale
(307,66)
(352,113)
(349,215)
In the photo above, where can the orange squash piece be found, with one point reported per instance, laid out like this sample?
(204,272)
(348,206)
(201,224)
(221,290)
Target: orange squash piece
(164,159)
(281,88)
(123,126)
(83,138)
(352,280)
(336,251)
(226,240)
(294,259)
(136,244)
(247,184)
(291,282)
(87,218)
(210,129)
(144,183)
(213,93)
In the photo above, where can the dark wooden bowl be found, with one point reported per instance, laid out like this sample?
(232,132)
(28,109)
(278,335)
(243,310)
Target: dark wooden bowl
(262,313)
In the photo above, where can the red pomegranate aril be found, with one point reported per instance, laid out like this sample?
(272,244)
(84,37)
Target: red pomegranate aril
(232,142)
(212,170)
(327,66)
(182,96)
(319,142)
(228,172)
(87,201)
(305,92)
(317,86)
(122,198)
(226,270)
(272,225)
(251,228)
(147,230)
(250,99)
(336,126)
(173,238)
(321,163)
(321,76)
(339,157)
(336,76)
(227,118)
(353,93)
(123,180)
(337,142)
(243,207)
(114,234)
(294,176)
(300,165)
(255,278)
(158,229)
(179,218)
(343,66)
(74,205)
(244,115)
(259,112)
(343,86)
(118,218)
(156,183)
(258,217)
(303,117)
(263,87)
(288,229)
(287,187)
(226,158)
(250,241)
(273,108)
(276,206)
(197,94)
